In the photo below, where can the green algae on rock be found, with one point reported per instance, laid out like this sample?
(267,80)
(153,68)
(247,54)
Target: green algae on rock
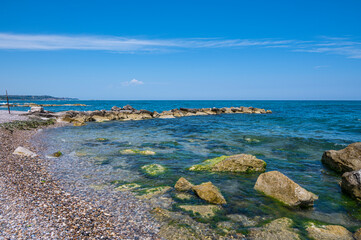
(280,229)
(328,232)
(102,139)
(128,187)
(57,154)
(184,196)
(235,163)
(207,164)
(205,211)
(153,169)
(147,193)
(135,151)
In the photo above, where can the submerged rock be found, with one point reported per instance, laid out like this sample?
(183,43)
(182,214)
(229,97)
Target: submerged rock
(180,226)
(207,191)
(205,211)
(226,226)
(244,220)
(344,160)
(102,139)
(235,163)
(128,187)
(78,124)
(351,184)
(357,234)
(129,151)
(135,151)
(57,154)
(280,229)
(184,196)
(183,185)
(153,169)
(147,152)
(280,187)
(21,151)
(148,193)
(329,232)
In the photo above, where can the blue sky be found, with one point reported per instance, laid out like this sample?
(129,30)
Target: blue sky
(182,49)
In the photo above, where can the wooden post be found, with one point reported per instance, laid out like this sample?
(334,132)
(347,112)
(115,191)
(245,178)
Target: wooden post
(7,98)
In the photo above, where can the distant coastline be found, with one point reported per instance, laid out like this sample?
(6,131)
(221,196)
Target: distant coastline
(35,98)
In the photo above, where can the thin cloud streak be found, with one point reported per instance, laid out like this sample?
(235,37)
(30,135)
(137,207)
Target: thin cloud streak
(326,45)
(133,82)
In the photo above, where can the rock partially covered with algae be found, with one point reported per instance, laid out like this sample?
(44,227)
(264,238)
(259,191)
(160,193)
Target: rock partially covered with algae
(280,229)
(328,232)
(135,151)
(147,193)
(57,154)
(102,139)
(207,191)
(153,169)
(128,187)
(183,185)
(235,163)
(205,211)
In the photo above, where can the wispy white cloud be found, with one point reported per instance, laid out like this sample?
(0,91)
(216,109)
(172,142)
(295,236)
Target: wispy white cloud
(320,67)
(133,82)
(327,45)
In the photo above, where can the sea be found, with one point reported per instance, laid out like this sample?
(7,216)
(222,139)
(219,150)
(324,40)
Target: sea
(291,140)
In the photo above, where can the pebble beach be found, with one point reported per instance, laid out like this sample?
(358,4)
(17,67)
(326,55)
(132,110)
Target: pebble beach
(35,206)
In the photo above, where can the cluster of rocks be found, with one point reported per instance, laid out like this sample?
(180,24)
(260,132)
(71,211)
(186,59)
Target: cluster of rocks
(129,113)
(206,191)
(346,161)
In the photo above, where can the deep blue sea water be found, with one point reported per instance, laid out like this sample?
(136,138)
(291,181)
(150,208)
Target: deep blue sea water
(291,140)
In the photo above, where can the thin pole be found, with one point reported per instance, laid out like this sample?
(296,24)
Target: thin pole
(7,98)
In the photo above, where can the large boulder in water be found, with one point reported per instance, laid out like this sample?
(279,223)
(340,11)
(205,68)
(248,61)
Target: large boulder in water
(344,160)
(351,184)
(235,163)
(280,187)
(207,191)
(329,232)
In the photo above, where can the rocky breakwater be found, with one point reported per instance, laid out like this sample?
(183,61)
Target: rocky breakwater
(348,162)
(129,113)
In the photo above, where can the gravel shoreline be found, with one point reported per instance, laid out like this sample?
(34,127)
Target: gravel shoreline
(35,205)
(13,116)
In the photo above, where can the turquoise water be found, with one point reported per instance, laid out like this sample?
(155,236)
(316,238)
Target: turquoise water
(291,140)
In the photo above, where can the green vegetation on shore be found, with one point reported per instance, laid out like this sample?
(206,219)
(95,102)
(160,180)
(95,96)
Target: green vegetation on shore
(34,98)
(26,125)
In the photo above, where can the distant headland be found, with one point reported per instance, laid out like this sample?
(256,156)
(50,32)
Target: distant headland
(35,98)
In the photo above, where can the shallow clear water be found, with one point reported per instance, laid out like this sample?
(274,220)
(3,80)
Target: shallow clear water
(291,140)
